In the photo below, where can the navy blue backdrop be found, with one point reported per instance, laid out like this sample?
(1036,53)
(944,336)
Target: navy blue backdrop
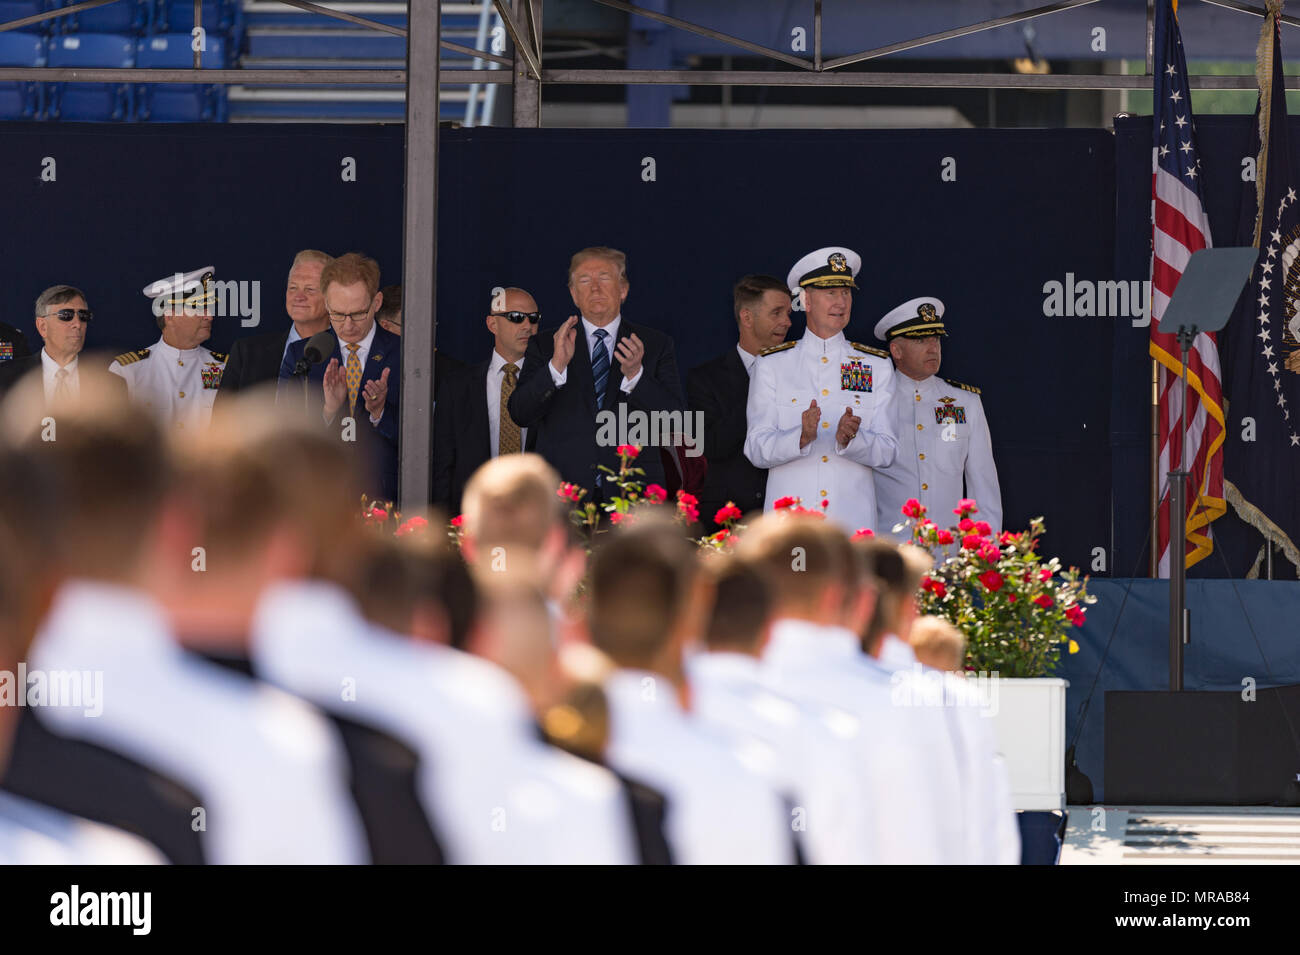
(133,204)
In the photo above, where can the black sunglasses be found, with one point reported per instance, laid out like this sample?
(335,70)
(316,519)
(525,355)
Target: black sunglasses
(68,314)
(517,317)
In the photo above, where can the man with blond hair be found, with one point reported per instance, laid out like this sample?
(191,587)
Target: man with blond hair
(258,358)
(594,363)
(354,391)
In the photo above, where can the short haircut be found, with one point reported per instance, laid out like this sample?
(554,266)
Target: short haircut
(511,500)
(401,573)
(599,252)
(390,309)
(741,606)
(252,470)
(640,586)
(799,556)
(57,295)
(937,643)
(349,270)
(311,257)
(108,469)
(898,572)
(748,292)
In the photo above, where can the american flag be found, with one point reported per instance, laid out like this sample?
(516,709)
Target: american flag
(1179,228)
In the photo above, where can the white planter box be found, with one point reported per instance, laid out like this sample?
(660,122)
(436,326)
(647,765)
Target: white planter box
(1029,722)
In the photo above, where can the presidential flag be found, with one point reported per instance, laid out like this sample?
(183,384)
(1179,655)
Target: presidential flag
(1179,228)
(1263,338)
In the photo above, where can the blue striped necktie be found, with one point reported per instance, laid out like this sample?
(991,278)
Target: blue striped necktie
(600,366)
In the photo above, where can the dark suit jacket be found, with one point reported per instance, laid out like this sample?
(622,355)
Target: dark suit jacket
(377,444)
(14,337)
(461,435)
(12,371)
(253,360)
(720,389)
(565,418)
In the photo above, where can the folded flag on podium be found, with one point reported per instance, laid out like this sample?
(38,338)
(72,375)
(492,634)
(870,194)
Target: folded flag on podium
(1263,338)
(1179,228)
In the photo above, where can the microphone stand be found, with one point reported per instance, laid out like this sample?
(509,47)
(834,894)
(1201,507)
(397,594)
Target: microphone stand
(1180,617)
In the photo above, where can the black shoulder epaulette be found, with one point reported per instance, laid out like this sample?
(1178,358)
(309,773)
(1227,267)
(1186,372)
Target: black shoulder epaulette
(879,353)
(776,348)
(220,356)
(963,387)
(127,358)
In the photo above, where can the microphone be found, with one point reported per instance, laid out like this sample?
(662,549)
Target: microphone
(314,352)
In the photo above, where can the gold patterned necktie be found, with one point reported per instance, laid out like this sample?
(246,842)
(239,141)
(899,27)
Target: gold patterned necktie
(509,440)
(352,372)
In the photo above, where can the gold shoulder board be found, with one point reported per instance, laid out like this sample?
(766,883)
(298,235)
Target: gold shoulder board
(963,387)
(776,348)
(220,356)
(132,356)
(879,353)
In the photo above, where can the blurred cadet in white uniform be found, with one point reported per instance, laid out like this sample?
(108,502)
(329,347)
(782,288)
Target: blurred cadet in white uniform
(645,604)
(943,435)
(206,765)
(177,377)
(818,407)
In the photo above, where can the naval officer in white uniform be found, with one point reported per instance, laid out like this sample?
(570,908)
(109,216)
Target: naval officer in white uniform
(943,435)
(818,407)
(176,377)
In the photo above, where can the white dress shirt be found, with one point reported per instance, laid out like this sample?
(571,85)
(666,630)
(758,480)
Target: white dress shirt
(560,377)
(271,770)
(50,371)
(179,386)
(718,812)
(494,791)
(496,376)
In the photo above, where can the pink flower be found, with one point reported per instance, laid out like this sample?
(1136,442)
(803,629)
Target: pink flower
(656,493)
(618,517)
(378,514)
(989,551)
(965,524)
(728,513)
(688,506)
(570,492)
(458,520)
(825,504)
(912,508)
(863,532)
(410,526)
(965,507)
(784,502)
(972,542)
(991,580)
(982,527)
(944,537)
(1044,574)
(629,451)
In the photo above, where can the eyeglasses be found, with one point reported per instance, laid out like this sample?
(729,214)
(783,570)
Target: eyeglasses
(338,318)
(68,314)
(534,318)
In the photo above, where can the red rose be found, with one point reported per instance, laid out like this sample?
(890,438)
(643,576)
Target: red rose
(965,507)
(989,551)
(570,492)
(912,508)
(785,502)
(656,493)
(965,524)
(410,526)
(982,527)
(458,520)
(629,451)
(1011,598)
(379,514)
(972,542)
(940,590)
(1044,574)
(1004,539)
(863,532)
(825,504)
(687,506)
(1075,615)
(618,517)
(944,537)
(991,580)
(721,536)
(728,513)
(1044,601)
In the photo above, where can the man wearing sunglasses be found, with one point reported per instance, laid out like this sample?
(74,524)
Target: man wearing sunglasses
(471,424)
(62,320)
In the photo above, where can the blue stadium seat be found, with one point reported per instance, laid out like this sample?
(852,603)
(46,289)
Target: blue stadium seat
(120,16)
(90,102)
(17,9)
(176,16)
(21,100)
(179,102)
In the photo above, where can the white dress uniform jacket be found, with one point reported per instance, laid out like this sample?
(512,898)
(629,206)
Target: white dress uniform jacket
(839,375)
(270,769)
(177,386)
(943,437)
(909,773)
(32,834)
(495,792)
(718,812)
(797,754)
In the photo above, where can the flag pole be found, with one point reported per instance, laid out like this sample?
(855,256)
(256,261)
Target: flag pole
(1155,468)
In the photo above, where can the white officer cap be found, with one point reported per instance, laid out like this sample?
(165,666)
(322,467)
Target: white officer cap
(831,267)
(917,318)
(191,288)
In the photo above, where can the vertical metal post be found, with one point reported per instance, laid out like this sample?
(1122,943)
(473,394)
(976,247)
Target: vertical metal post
(817,35)
(1178,480)
(528,91)
(198,25)
(1151,36)
(419,255)
(1155,469)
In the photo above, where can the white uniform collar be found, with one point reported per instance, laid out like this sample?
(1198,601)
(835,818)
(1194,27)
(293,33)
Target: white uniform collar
(806,642)
(895,654)
(177,354)
(726,666)
(93,623)
(641,691)
(822,346)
